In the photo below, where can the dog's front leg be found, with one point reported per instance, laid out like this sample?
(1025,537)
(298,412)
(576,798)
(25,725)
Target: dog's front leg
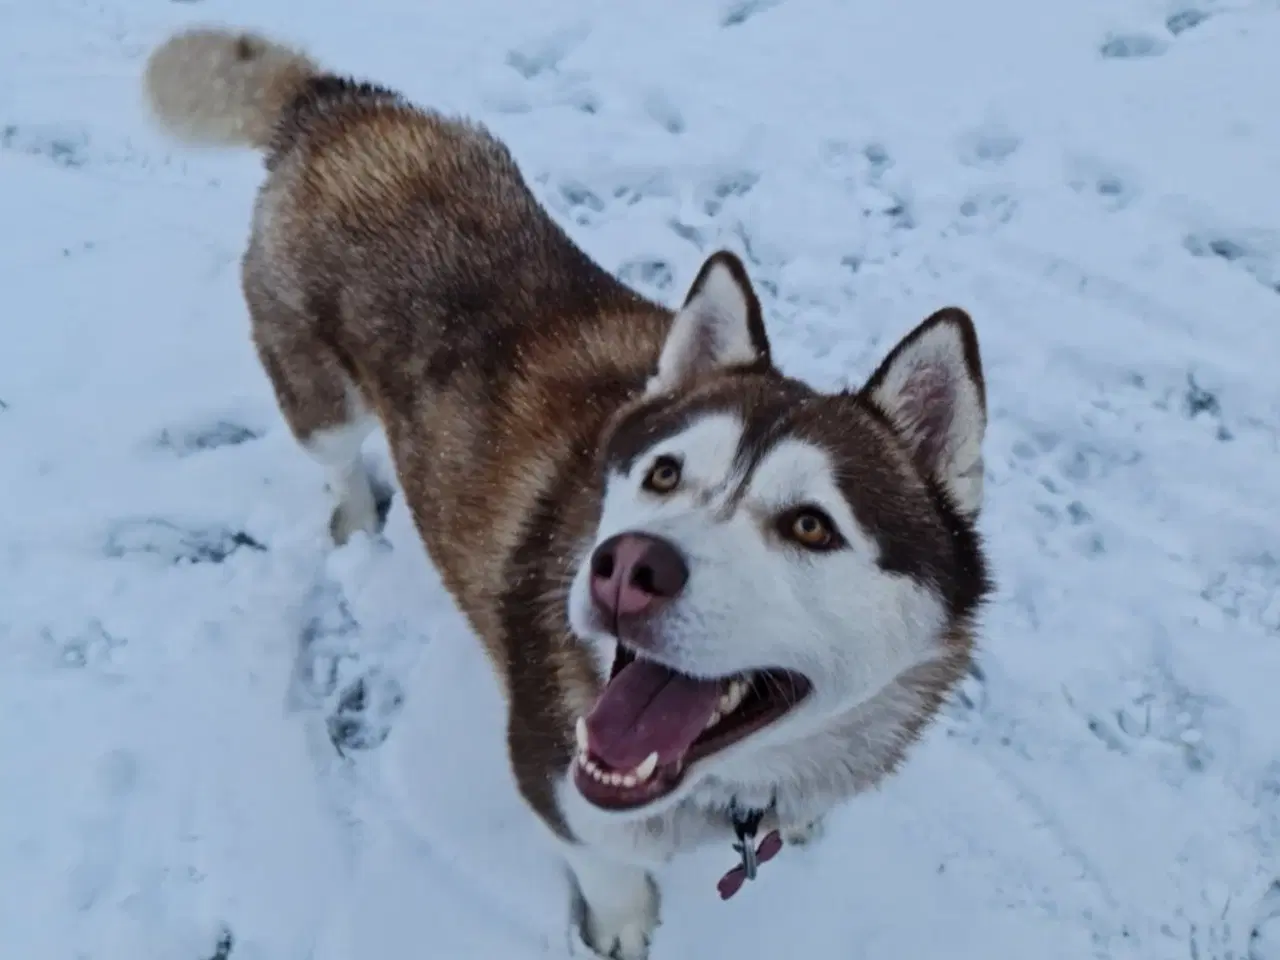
(617,904)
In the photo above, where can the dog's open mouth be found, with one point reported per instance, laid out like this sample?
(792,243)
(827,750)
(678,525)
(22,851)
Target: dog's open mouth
(651,723)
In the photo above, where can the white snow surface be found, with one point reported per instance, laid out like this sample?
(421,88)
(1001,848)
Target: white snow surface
(180,645)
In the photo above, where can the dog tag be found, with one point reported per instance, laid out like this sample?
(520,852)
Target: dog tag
(752,857)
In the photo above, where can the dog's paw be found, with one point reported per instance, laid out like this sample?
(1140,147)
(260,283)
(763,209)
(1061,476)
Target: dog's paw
(348,519)
(804,834)
(612,941)
(363,504)
(616,911)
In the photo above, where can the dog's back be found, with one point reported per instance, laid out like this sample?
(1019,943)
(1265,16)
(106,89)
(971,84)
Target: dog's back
(399,265)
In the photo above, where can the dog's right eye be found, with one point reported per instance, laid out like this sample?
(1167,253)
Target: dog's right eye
(663,476)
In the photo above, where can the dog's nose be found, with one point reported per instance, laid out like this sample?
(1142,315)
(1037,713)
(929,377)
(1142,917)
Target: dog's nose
(634,574)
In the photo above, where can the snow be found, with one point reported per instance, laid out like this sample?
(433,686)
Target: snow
(180,647)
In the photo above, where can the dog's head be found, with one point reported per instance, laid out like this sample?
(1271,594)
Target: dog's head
(769,559)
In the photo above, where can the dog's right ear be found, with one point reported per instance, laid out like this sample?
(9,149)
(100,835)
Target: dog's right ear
(720,325)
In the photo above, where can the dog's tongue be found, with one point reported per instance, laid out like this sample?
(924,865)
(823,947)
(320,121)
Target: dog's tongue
(645,709)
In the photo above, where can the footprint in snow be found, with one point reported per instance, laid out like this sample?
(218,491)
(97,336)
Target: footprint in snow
(177,544)
(1096,180)
(582,204)
(327,646)
(987,146)
(538,62)
(971,695)
(545,54)
(1255,251)
(1155,709)
(1184,20)
(1132,46)
(984,210)
(663,111)
(740,11)
(364,713)
(94,646)
(225,942)
(1137,45)
(186,439)
(360,701)
(1248,589)
(720,190)
(651,275)
(63,146)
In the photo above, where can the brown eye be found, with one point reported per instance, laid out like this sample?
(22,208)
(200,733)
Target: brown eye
(663,476)
(811,528)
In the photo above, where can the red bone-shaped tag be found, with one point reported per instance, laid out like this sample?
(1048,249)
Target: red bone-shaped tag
(732,881)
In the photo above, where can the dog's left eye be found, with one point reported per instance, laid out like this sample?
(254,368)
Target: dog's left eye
(663,476)
(811,528)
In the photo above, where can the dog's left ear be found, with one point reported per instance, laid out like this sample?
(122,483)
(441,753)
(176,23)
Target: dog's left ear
(720,325)
(931,388)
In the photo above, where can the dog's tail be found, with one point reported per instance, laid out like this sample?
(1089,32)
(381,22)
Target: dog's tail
(216,87)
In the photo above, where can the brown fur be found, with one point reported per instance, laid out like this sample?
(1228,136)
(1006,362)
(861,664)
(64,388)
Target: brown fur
(399,263)
(409,257)
(401,252)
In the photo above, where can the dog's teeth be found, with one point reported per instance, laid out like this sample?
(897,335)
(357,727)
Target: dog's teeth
(634,778)
(732,698)
(580,732)
(715,718)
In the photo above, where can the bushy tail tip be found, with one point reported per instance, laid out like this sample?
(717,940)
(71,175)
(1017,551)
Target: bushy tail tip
(218,87)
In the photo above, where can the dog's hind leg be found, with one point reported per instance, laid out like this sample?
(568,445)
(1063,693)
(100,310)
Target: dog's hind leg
(338,450)
(322,405)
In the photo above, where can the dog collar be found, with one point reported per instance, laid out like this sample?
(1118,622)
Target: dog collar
(746,824)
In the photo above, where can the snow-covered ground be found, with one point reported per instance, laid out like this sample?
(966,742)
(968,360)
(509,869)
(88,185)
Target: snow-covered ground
(180,648)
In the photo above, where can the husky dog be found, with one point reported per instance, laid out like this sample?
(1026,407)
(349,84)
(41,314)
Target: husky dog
(716,599)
